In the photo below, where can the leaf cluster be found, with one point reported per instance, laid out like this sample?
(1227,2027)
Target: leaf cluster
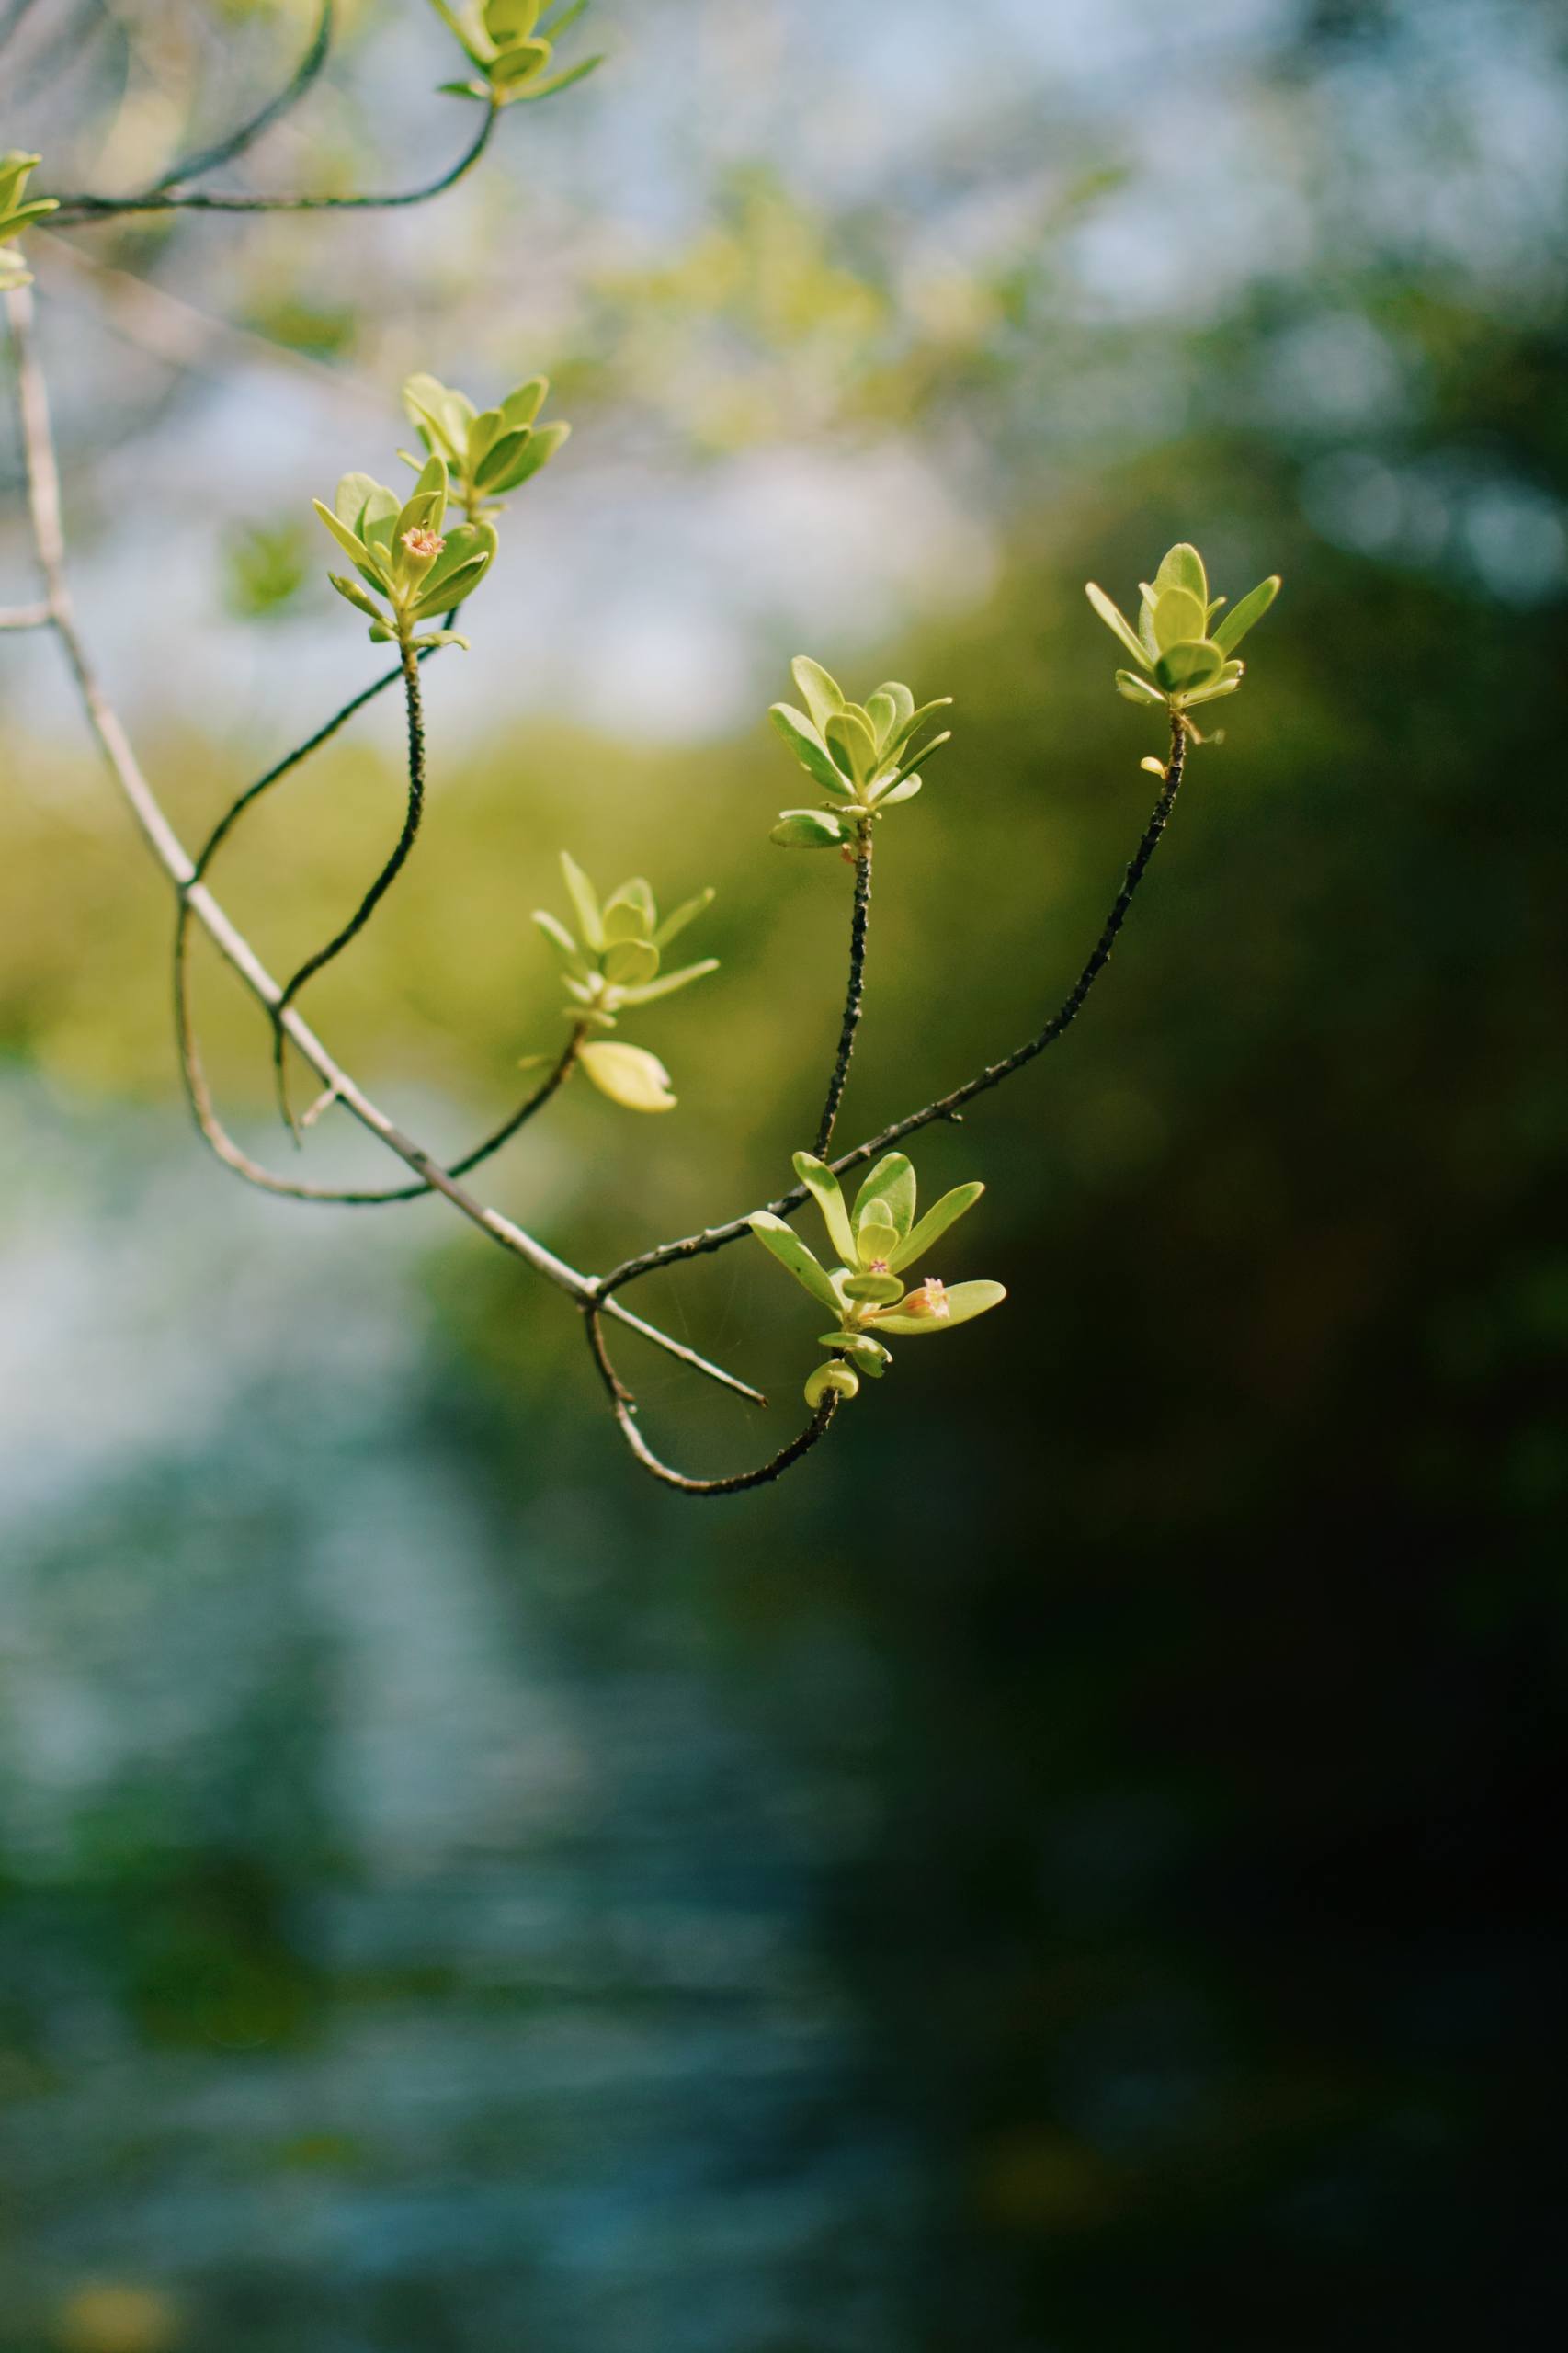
(488,453)
(512,43)
(614,961)
(874,1241)
(17,214)
(402,554)
(861,754)
(1183,659)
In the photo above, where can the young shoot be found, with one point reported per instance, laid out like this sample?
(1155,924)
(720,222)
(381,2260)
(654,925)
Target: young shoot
(15,215)
(875,1244)
(511,43)
(403,555)
(861,754)
(488,453)
(614,962)
(1184,658)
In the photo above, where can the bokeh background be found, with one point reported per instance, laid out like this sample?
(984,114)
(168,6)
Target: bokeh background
(1072,1870)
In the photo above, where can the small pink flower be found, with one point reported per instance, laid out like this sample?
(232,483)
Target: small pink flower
(931,1299)
(425,545)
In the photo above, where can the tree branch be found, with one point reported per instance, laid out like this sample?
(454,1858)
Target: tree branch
(946,1107)
(25,616)
(199,1095)
(43,499)
(236,143)
(856,997)
(623,1405)
(99,207)
(413,812)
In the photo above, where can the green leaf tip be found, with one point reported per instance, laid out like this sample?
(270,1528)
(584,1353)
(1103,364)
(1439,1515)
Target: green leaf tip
(874,1245)
(1182,652)
(490,453)
(862,758)
(17,214)
(512,48)
(613,963)
(629,1076)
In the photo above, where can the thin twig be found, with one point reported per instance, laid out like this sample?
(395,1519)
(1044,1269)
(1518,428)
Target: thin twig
(178,334)
(291,760)
(413,811)
(236,143)
(198,1094)
(25,616)
(854,998)
(946,1107)
(623,1405)
(99,207)
(43,498)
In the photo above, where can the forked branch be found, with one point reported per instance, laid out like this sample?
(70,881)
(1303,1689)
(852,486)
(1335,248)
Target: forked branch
(181,200)
(237,141)
(863,759)
(43,498)
(946,1107)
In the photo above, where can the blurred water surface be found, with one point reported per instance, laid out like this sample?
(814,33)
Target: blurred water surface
(407,1942)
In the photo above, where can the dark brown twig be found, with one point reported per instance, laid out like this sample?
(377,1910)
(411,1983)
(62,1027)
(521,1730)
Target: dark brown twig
(854,998)
(624,1407)
(100,207)
(947,1107)
(49,540)
(412,812)
(198,1091)
(236,143)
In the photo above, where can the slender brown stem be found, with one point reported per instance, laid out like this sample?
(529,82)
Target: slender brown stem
(199,1095)
(291,760)
(236,143)
(623,1405)
(49,540)
(854,998)
(947,1106)
(413,812)
(99,207)
(197,1090)
(25,616)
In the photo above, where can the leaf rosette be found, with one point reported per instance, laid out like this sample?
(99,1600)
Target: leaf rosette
(875,1243)
(1185,655)
(614,961)
(862,757)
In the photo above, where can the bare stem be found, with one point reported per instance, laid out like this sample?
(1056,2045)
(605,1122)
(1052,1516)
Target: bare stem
(197,1090)
(43,499)
(623,1405)
(853,1002)
(947,1106)
(236,143)
(198,1094)
(25,616)
(291,760)
(412,812)
(169,200)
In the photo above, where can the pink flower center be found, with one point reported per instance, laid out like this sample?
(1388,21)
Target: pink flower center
(426,545)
